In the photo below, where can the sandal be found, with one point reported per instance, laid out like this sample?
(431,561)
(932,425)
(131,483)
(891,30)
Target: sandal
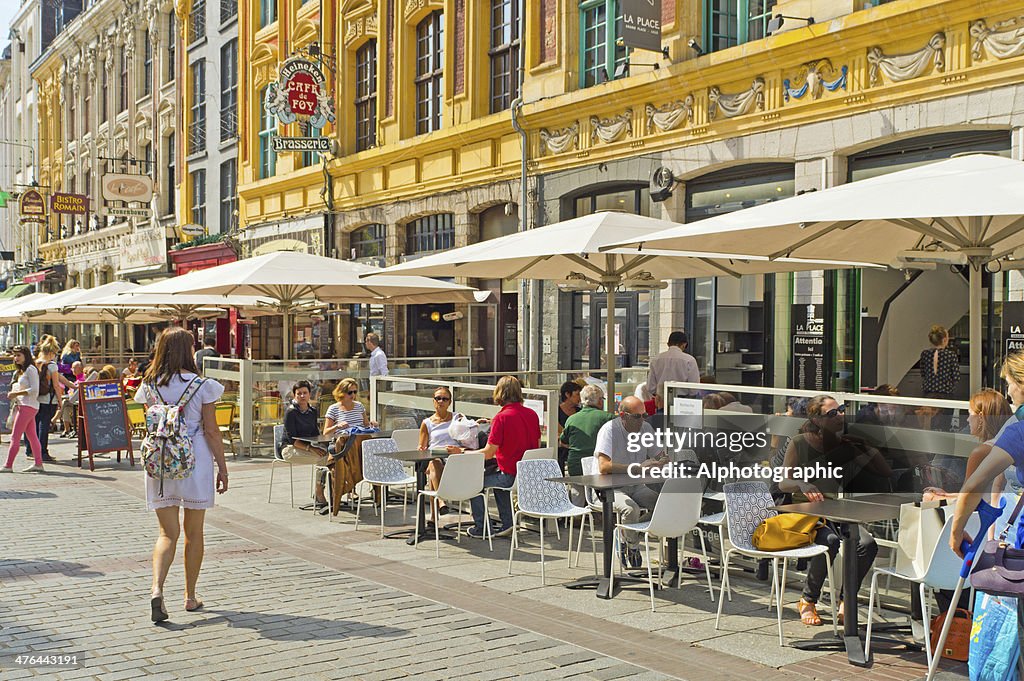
(158,611)
(195,604)
(809,613)
(840,612)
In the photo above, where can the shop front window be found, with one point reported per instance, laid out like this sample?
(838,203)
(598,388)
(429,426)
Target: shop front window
(430,233)
(368,242)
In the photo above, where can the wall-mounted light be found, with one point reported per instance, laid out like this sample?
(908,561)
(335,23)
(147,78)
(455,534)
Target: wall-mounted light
(776,22)
(695,46)
(435,316)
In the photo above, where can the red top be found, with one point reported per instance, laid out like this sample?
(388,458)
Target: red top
(650,407)
(514,430)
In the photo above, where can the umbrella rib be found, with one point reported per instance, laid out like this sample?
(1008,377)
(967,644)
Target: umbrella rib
(586,264)
(932,232)
(788,251)
(717,266)
(637,261)
(515,275)
(1006,231)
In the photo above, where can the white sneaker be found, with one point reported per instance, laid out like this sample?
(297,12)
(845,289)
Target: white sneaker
(7,469)
(35,468)
(917,629)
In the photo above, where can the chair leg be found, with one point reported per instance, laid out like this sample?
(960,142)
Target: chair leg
(926,617)
(593,543)
(291,483)
(570,538)
(515,538)
(458,535)
(707,567)
(650,570)
(416,527)
(437,527)
(579,540)
(832,596)
(777,574)
(405,502)
(782,584)
(541,523)
(359,507)
(661,563)
(382,513)
(723,586)
(487,524)
(329,490)
(270,490)
(558,532)
(872,595)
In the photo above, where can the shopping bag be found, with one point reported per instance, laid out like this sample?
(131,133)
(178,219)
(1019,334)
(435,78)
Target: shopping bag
(786,531)
(958,639)
(994,643)
(921,524)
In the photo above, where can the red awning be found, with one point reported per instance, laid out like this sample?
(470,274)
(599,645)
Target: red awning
(36,277)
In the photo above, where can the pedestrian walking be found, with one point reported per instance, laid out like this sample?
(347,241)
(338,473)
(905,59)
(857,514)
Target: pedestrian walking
(24,396)
(939,365)
(51,385)
(71,353)
(172,376)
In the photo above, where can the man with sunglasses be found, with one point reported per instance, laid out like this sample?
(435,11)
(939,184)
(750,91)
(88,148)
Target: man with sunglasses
(619,444)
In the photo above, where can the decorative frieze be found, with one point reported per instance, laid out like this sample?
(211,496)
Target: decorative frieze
(611,129)
(669,116)
(357,27)
(901,67)
(1002,41)
(563,139)
(737,104)
(814,78)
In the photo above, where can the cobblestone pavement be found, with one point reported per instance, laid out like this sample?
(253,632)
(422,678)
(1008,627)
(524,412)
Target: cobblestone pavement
(287,600)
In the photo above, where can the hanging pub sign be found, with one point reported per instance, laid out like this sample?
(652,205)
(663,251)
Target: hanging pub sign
(300,92)
(321,144)
(32,206)
(69,204)
(808,347)
(641,24)
(124,187)
(1013,327)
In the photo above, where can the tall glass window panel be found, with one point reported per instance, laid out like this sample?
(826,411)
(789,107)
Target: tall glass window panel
(197,126)
(229,90)
(172,40)
(124,80)
(368,242)
(199,197)
(430,233)
(169,188)
(104,95)
(504,53)
(147,65)
(734,22)
(601,48)
(268,12)
(429,72)
(366,96)
(309,158)
(71,115)
(268,128)
(758,13)
(228,195)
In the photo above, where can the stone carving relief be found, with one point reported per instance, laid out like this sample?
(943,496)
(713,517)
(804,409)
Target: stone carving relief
(737,104)
(358,27)
(1002,41)
(670,116)
(611,129)
(815,78)
(900,67)
(563,139)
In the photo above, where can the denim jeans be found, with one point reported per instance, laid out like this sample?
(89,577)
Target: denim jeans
(867,549)
(502,499)
(43,418)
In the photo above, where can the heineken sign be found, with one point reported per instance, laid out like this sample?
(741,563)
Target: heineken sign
(300,91)
(321,144)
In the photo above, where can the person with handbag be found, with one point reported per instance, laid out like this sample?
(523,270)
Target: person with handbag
(346,413)
(821,439)
(435,434)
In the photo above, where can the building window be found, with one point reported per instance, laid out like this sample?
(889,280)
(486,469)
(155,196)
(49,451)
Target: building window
(504,53)
(147,159)
(124,79)
(86,110)
(71,115)
(104,96)
(228,195)
(430,233)
(197,21)
(309,157)
(366,96)
(268,12)
(429,72)
(169,191)
(172,41)
(147,65)
(229,90)
(368,241)
(601,48)
(199,197)
(734,22)
(267,158)
(228,10)
(197,125)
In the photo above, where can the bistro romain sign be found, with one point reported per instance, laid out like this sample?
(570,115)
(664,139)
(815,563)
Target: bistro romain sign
(69,204)
(301,91)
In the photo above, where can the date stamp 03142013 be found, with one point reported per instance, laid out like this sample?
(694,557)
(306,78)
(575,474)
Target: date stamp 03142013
(41,660)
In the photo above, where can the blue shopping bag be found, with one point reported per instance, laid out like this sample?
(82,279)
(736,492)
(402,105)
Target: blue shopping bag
(994,643)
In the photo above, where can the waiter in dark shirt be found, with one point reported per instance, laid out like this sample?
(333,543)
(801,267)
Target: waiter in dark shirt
(301,421)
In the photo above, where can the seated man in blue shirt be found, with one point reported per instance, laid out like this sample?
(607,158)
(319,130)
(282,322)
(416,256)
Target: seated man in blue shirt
(301,421)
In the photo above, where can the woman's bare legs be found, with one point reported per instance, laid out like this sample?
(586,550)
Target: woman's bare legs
(166,543)
(194,519)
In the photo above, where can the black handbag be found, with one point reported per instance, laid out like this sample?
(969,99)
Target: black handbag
(998,567)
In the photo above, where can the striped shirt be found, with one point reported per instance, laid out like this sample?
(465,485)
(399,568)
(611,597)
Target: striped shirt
(351,417)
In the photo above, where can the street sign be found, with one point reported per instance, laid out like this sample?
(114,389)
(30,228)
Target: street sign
(193,230)
(69,204)
(32,204)
(121,187)
(322,144)
(641,24)
(118,212)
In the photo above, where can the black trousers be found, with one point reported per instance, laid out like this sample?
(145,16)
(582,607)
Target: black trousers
(828,536)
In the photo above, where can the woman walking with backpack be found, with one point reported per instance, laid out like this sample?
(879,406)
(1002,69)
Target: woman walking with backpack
(172,379)
(26,391)
(50,382)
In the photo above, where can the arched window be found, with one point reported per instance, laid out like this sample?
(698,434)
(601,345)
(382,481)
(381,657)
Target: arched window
(429,72)
(368,241)
(430,233)
(267,159)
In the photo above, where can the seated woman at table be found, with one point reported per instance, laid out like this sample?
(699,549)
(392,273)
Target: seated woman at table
(434,435)
(821,439)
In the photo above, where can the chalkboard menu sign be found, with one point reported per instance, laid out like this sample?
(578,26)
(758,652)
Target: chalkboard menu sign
(104,425)
(807,324)
(6,379)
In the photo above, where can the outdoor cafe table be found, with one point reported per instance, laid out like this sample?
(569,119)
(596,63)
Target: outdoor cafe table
(604,486)
(322,442)
(421,459)
(849,513)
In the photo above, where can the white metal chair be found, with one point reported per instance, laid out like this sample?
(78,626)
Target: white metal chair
(676,512)
(941,570)
(461,480)
(406,438)
(748,504)
(542,499)
(279,458)
(381,471)
(717,519)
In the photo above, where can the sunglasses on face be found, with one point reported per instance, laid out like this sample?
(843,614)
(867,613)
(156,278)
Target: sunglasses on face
(441,398)
(634,417)
(352,392)
(832,413)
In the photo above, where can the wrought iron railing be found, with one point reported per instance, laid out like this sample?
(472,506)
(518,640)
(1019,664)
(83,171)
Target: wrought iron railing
(197,22)
(196,136)
(228,123)
(228,9)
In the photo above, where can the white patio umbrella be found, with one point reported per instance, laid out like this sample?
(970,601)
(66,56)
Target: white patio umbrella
(966,210)
(290,279)
(569,252)
(8,309)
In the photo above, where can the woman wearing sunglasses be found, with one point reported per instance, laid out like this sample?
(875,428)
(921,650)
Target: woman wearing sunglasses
(434,435)
(821,439)
(347,411)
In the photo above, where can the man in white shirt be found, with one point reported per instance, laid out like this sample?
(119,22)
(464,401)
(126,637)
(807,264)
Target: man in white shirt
(612,449)
(378,360)
(675,364)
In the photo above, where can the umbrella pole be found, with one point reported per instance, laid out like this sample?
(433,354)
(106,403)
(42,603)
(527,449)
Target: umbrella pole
(610,348)
(285,335)
(974,291)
